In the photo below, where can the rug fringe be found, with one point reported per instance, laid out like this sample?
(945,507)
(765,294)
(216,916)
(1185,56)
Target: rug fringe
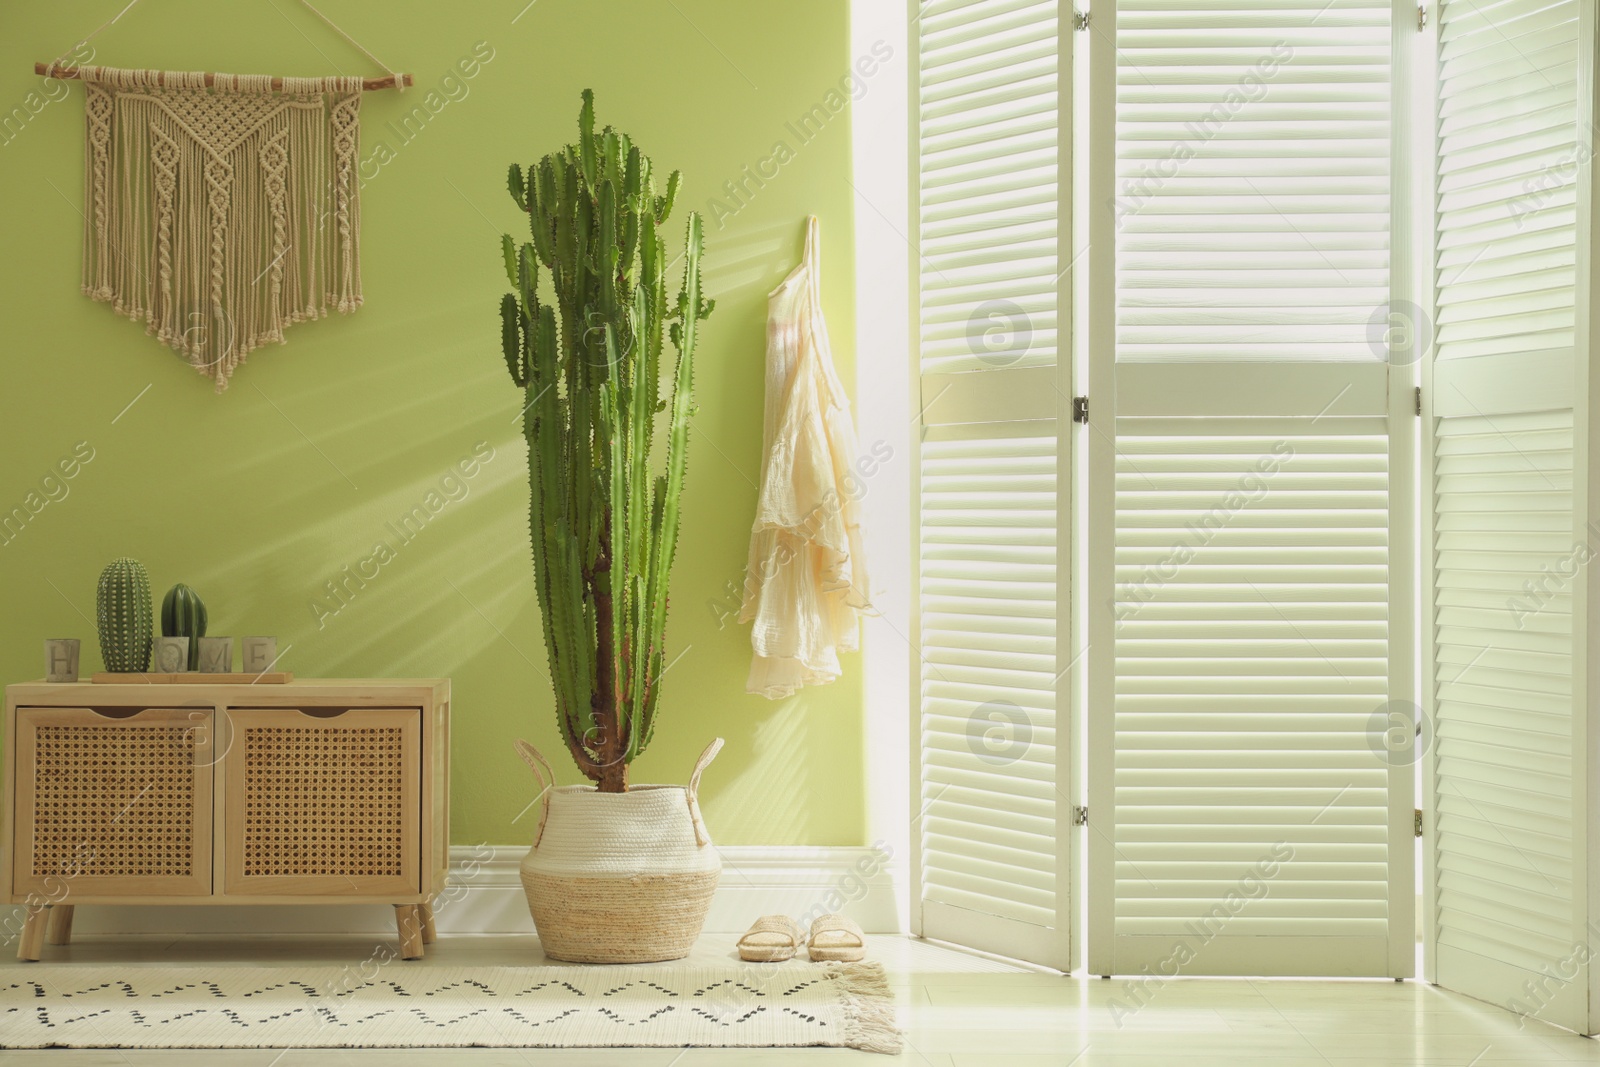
(870,1023)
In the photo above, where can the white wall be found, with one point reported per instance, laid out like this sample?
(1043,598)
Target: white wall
(880,153)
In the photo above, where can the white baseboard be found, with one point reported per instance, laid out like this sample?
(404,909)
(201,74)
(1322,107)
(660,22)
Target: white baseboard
(485,897)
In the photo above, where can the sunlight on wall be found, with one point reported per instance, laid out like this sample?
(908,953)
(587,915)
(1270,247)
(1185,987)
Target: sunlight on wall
(262,496)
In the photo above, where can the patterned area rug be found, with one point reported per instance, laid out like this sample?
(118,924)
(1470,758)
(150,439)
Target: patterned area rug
(659,1005)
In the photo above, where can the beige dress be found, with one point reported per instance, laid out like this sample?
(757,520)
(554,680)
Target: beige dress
(806,582)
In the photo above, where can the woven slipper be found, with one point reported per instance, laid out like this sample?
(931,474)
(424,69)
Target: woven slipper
(835,939)
(771,939)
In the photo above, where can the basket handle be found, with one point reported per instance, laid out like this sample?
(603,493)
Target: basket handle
(543,775)
(701,836)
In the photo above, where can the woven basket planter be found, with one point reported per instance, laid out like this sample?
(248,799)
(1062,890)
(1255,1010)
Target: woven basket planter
(619,877)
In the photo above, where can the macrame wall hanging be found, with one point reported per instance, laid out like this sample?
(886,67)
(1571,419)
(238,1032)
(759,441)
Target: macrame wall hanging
(221,208)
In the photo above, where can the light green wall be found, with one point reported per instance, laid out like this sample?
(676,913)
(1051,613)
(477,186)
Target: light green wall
(259,496)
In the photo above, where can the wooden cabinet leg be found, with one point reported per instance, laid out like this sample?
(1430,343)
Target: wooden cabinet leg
(408,919)
(429,934)
(31,943)
(59,930)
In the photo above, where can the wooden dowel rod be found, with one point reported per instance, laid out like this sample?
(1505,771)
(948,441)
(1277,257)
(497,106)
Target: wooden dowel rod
(388,81)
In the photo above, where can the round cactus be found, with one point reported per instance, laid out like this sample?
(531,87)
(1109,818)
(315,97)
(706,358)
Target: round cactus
(183,614)
(124,618)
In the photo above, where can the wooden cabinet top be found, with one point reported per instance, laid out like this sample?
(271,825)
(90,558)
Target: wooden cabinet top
(349,692)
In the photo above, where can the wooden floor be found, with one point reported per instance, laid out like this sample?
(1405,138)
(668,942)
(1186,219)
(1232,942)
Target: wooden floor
(959,1011)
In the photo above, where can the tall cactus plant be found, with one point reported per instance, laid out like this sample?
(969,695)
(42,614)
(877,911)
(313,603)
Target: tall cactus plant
(603,520)
(123,616)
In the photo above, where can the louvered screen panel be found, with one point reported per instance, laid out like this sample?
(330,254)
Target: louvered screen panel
(1251,656)
(1505,557)
(988,622)
(1508,762)
(1252,193)
(1508,168)
(989,155)
(991,175)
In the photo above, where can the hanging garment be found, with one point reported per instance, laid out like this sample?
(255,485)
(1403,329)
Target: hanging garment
(806,581)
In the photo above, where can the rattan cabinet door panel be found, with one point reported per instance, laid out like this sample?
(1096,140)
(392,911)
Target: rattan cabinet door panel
(113,803)
(322,802)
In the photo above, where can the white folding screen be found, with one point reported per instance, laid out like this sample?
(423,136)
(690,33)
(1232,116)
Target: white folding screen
(993,779)
(1509,543)
(1248,486)
(1259,311)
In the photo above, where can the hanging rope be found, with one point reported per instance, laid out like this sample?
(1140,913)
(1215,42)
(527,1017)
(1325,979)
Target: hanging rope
(109,22)
(394,79)
(353,42)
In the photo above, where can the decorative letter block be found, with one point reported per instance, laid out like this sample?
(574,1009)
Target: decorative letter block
(172,655)
(61,659)
(260,653)
(216,655)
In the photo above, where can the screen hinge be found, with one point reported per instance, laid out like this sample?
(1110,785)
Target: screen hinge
(1416,824)
(1080,816)
(1418,396)
(1080,409)
(1080,20)
(1422,16)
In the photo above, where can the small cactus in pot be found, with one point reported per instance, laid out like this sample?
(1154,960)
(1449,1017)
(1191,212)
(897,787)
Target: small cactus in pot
(123,617)
(183,614)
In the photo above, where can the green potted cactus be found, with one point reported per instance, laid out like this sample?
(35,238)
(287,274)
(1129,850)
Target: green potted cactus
(183,614)
(123,616)
(583,333)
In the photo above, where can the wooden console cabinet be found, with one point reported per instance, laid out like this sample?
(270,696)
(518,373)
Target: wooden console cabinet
(312,792)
